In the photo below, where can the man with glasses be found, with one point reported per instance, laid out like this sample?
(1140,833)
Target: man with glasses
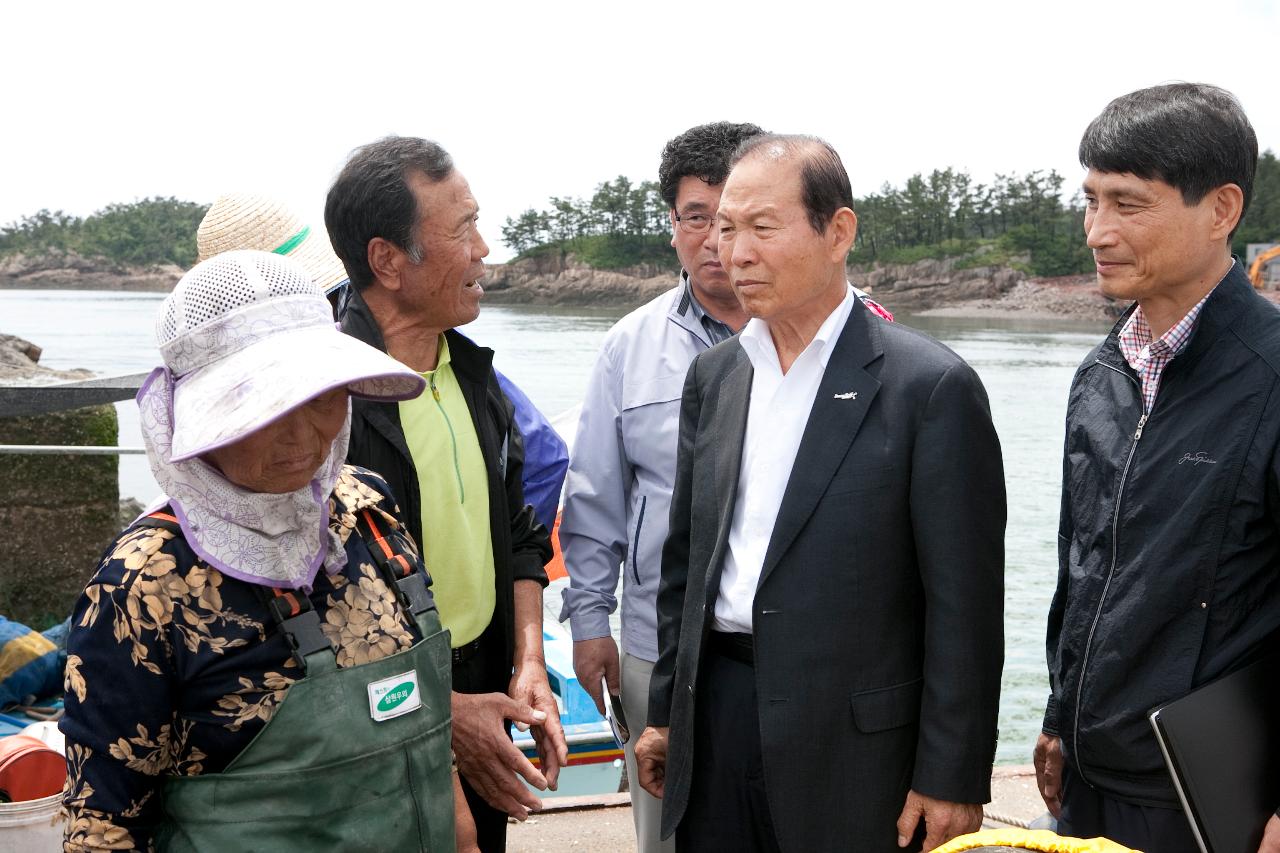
(623,463)
(622,468)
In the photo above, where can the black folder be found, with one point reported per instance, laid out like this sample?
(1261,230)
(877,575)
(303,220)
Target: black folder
(1222,745)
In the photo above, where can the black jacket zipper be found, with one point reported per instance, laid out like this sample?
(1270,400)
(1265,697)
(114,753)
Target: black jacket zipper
(1115,555)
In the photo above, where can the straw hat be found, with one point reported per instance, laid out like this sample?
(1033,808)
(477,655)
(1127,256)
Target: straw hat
(249,221)
(247,337)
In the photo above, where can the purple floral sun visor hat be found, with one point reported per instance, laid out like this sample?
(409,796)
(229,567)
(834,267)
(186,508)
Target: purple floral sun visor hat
(247,337)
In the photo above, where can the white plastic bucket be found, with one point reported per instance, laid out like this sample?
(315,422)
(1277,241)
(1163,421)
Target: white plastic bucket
(31,826)
(46,731)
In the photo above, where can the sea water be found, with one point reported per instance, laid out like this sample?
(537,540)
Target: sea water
(1025,365)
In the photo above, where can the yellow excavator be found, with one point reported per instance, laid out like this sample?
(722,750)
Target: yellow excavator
(1260,264)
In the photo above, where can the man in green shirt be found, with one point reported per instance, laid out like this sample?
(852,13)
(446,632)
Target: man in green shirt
(403,221)
(455,502)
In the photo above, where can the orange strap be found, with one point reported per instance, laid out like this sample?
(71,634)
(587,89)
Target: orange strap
(395,559)
(295,607)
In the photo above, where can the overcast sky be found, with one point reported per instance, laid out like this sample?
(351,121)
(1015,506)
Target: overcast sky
(107,102)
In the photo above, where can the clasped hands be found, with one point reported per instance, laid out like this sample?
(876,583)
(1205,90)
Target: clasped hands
(489,761)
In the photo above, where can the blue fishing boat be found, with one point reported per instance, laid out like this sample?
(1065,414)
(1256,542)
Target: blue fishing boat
(595,757)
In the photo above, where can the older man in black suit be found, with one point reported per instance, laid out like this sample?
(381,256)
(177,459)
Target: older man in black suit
(830,613)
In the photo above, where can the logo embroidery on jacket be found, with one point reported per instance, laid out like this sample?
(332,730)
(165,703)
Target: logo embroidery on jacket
(1197,458)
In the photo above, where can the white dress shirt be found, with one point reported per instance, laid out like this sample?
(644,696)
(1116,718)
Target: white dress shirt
(777,414)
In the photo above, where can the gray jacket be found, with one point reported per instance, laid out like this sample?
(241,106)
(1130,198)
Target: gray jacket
(622,470)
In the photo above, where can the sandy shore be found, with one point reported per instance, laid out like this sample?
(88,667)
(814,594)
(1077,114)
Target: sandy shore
(603,824)
(979,310)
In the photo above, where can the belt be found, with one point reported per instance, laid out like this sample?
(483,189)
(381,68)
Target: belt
(739,647)
(465,652)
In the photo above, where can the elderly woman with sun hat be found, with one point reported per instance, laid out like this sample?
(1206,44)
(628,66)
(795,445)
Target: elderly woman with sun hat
(258,663)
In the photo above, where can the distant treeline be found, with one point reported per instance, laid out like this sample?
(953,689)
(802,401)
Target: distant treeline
(1262,223)
(937,215)
(625,223)
(622,224)
(946,213)
(141,233)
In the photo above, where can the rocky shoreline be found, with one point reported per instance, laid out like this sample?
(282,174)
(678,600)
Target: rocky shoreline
(20,364)
(69,271)
(930,287)
(1065,298)
(947,287)
(554,280)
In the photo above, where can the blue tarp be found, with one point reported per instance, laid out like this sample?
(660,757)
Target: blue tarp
(31,663)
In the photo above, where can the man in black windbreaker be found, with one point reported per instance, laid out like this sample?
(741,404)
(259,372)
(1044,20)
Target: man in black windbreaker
(1169,542)
(403,221)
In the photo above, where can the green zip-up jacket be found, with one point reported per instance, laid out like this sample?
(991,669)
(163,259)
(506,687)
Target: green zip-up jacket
(521,545)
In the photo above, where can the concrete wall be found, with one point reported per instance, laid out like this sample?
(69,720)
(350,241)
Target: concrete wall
(57,513)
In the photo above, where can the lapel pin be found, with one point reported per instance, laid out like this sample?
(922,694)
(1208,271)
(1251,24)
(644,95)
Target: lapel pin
(848,395)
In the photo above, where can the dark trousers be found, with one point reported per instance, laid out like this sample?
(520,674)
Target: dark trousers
(1088,813)
(728,811)
(485,672)
(491,824)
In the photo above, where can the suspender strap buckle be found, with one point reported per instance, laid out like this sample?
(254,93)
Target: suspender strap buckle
(414,594)
(304,636)
(383,554)
(286,604)
(297,620)
(411,587)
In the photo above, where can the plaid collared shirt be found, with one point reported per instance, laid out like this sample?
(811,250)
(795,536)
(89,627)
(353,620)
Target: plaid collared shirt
(1149,358)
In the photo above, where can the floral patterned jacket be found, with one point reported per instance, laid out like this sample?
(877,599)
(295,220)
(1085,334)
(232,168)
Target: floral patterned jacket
(173,668)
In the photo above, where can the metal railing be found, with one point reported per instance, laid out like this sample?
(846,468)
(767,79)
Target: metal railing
(81,449)
(29,400)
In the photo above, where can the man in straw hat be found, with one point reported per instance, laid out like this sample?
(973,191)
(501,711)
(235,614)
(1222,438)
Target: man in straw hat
(403,221)
(244,220)
(241,220)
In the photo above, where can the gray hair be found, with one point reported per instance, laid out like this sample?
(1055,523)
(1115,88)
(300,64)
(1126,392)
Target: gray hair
(824,183)
(371,198)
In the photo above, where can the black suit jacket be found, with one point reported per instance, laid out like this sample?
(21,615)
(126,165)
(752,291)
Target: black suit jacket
(878,617)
